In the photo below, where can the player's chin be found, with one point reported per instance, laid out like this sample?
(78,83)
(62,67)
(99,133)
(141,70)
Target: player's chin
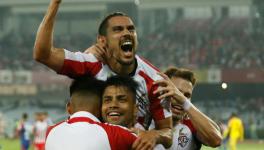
(114,122)
(128,61)
(177,116)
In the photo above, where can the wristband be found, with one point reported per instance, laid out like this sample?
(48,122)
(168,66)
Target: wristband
(187,104)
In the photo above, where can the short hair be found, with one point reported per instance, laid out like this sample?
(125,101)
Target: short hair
(103,25)
(87,85)
(25,116)
(124,81)
(182,73)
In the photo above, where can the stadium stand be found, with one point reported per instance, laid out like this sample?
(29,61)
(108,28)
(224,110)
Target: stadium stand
(226,44)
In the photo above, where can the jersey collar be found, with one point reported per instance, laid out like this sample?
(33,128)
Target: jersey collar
(84,114)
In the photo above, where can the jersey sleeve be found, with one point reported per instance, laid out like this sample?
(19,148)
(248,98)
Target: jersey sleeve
(77,64)
(159,108)
(120,138)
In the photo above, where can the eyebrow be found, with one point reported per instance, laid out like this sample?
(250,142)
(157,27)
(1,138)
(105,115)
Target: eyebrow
(107,97)
(131,27)
(121,96)
(117,27)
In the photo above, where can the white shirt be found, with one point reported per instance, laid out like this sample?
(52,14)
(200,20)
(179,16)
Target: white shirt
(184,137)
(40,129)
(83,131)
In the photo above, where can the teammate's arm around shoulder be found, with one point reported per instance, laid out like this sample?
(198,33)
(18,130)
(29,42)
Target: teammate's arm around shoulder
(44,51)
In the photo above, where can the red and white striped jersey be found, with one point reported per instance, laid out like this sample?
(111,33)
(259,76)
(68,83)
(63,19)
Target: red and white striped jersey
(40,129)
(150,107)
(184,137)
(83,131)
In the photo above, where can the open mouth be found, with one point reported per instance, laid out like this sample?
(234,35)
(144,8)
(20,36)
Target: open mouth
(114,116)
(127,46)
(178,107)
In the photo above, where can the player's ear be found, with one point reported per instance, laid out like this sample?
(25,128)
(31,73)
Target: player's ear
(68,108)
(101,40)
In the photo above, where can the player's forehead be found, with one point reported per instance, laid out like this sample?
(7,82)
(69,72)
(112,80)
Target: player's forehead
(120,21)
(116,90)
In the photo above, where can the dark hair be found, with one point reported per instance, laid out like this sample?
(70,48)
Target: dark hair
(234,114)
(124,81)
(87,84)
(182,73)
(103,25)
(25,116)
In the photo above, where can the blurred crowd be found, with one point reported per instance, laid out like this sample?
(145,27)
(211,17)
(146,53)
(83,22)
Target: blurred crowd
(16,49)
(202,44)
(192,44)
(251,111)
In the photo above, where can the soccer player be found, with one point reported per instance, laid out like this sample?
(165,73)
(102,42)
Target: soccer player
(235,131)
(83,130)
(24,130)
(119,107)
(119,101)
(191,127)
(39,131)
(118,40)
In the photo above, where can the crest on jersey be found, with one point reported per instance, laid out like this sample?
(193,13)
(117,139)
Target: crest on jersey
(182,139)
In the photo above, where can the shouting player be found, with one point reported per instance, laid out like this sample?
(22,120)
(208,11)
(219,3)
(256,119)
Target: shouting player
(117,40)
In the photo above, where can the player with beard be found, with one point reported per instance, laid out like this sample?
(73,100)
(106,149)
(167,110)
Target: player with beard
(192,128)
(116,43)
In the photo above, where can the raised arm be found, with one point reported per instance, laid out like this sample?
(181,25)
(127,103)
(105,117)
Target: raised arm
(44,51)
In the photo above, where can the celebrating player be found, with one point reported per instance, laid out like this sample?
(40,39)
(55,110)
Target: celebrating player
(117,43)
(83,130)
(191,127)
(119,107)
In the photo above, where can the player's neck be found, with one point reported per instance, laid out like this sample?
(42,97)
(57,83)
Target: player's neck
(122,69)
(130,125)
(176,121)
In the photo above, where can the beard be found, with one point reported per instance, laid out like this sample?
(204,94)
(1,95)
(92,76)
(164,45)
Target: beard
(124,63)
(114,55)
